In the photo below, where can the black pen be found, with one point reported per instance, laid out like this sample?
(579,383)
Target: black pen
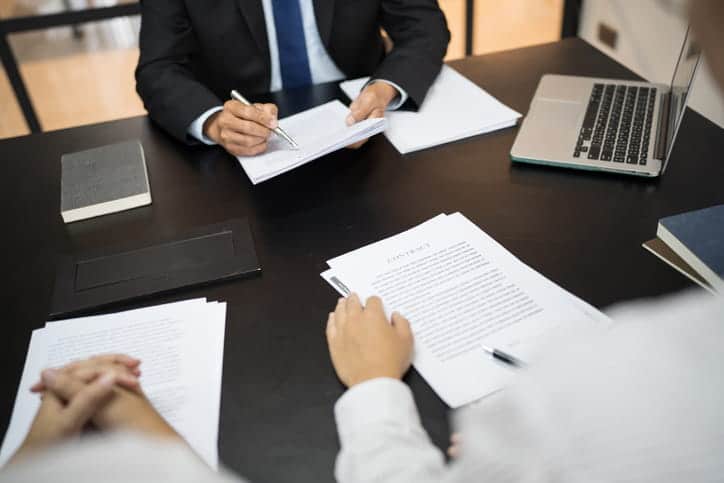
(504,357)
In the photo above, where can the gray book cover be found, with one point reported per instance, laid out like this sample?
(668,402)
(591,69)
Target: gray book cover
(114,177)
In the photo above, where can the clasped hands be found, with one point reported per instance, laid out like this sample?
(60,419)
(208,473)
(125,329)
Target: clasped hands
(102,392)
(245,130)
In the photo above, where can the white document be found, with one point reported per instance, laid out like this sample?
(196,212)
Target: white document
(181,350)
(459,289)
(454,109)
(318,131)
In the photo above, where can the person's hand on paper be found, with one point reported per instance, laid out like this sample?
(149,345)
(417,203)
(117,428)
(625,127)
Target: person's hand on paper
(61,418)
(372,102)
(127,408)
(242,130)
(125,370)
(364,345)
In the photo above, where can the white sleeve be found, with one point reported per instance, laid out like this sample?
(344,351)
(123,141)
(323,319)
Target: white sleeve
(401,98)
(381,436)
(196,129)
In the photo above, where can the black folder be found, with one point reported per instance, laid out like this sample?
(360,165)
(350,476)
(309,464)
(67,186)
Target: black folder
(100,278)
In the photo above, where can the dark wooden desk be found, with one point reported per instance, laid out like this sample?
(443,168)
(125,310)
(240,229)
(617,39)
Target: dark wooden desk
(580,229)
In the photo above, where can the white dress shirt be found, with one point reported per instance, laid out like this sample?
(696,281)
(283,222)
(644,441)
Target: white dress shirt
(321,65)
(642,402)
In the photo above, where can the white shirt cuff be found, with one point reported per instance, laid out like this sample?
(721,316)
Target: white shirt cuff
(400,100)
(196,129)
(381,401)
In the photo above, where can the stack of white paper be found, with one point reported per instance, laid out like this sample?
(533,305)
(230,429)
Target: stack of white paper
(318,131)
(454,109)
(181,347)
(460,290)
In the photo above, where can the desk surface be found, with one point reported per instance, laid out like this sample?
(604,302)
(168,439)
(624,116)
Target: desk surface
(582,230)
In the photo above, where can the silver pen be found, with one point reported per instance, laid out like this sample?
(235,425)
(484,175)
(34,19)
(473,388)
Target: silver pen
(278,131)
(504,357)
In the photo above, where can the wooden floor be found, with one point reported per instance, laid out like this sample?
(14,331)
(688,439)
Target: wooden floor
(75,88)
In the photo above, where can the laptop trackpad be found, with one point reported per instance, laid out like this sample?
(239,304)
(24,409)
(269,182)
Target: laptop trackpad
(551,130)
(559,115)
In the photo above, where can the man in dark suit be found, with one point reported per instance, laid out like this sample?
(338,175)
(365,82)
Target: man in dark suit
(194,52)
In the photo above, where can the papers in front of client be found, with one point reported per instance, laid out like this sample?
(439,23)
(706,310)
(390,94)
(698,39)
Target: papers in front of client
(317,131)
(460,290)
(454,108)
(181,347)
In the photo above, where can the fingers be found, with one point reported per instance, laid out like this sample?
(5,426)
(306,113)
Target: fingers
(245,129)
(354,305)
(62,384)
(358,144)
(401,325)
(331,327)
(87,402)
(128,361)
(270,109)
(340,312)
(374,303)
(125,367)
(67,384)
(366,106)
(123,379)
(262,116)
(242,139)
(362,107)
(372,102)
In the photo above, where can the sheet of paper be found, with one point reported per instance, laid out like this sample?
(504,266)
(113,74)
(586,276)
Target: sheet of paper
(181,348)
(454,109)
(317,131)
(459,289)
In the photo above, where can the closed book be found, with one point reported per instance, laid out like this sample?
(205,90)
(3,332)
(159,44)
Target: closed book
(669,256)
(698,238)
(103,180)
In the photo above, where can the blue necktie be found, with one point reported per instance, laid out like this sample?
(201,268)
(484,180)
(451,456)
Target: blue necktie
(293,58)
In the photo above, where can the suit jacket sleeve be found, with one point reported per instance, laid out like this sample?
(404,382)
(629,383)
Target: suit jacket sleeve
(165,80)
(420,35)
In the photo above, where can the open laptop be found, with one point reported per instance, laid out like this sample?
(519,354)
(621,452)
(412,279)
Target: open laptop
(606,124)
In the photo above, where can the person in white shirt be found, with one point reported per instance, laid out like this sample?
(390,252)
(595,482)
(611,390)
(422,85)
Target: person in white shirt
(642,402)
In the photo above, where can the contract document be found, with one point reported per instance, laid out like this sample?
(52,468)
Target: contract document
(317,131)
(181,347)
(460,290)
(454,108)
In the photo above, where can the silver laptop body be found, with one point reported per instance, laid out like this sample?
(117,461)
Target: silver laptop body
(606,124)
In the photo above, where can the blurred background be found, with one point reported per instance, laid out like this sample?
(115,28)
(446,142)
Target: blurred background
(83,74)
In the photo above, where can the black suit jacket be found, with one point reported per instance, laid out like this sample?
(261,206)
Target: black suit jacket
(193,52)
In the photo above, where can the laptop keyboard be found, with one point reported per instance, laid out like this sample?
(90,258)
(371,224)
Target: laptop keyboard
(617,125)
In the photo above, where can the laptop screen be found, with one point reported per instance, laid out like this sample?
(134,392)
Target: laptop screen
(680,87)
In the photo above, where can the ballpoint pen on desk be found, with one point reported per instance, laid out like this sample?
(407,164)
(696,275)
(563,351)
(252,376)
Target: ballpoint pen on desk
(278,131)
(504,357)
